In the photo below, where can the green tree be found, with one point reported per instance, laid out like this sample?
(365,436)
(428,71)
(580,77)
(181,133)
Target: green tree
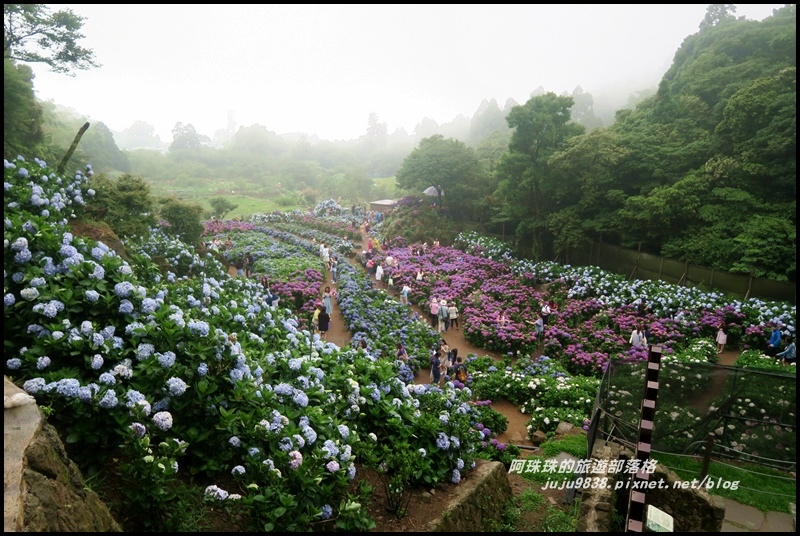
(488,120)
(125,204)
(541,127)
(716,13)
(449,165)
(22,114)
(582,111)
(139,135)
(220,207)
(186,137)
(32,34)
(585,194)
(377,133)
(184,220)
(768,247)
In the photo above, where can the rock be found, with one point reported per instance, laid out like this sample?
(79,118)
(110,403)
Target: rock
(538,437)
(44,490)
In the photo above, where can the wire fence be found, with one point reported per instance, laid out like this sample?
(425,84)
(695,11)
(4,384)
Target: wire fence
(750,414)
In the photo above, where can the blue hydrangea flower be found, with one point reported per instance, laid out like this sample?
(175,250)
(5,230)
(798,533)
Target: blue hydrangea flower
(97,362)
(286,444)
(109,400)
(29,294)
(167,359)
(107,378)
(216,492)
(144,350)
(300,398)
(125,307)
(123,289)
(176,386)
(344,431)
(163,420)
(326,511)
(33,385)
(456,476)
(310,434)
(68,387)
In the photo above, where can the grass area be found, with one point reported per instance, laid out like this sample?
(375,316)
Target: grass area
(531,511)
(251,205)
(574,445)
(761,487)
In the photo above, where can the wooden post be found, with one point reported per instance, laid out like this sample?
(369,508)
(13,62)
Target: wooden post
(685,272)
(62,166)
(635,519)
(707,455)
(749,286)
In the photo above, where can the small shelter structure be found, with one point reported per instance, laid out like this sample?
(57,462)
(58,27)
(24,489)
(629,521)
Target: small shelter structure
(383,206)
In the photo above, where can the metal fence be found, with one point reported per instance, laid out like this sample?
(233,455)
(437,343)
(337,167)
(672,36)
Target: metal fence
(751,413)
(636,265)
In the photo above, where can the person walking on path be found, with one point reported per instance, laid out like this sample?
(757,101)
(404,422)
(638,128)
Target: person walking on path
(324,323)
(443,316)
(435,367)
(434,312)
(326,300)
(250,260)
(452,311)
(545,312)
(379,274)
(538,326)
(722,337)
(637,337)
(444,367)
(315,319)
(460,371)
(444,348)
(404,293)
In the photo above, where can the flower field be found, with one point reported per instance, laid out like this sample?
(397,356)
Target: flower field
(201,393)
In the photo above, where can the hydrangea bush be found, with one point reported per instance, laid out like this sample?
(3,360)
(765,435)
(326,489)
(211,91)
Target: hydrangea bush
(184,375)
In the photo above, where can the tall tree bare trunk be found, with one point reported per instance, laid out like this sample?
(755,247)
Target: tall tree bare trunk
(64,161)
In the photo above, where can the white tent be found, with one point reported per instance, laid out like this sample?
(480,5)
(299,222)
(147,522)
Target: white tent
(431,190)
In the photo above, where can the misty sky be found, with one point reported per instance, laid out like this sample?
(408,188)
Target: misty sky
(321,69)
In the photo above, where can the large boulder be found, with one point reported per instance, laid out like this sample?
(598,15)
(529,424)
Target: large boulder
(44,489)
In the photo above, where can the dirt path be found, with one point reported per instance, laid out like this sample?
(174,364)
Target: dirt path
(701,401)
(338,333)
